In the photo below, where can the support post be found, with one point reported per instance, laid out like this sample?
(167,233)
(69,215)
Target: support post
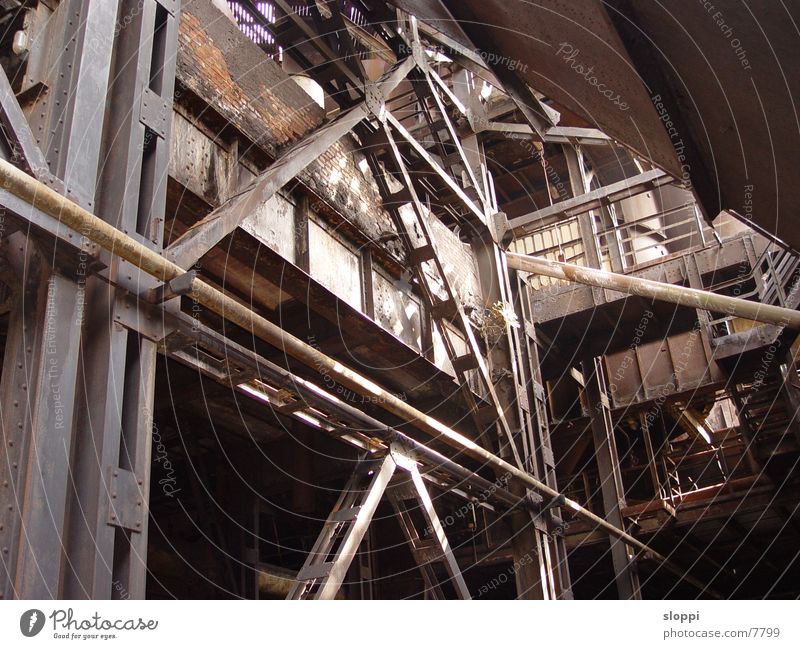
(325,568)
(111,472)
(434,524)
(611,486)
(36,414)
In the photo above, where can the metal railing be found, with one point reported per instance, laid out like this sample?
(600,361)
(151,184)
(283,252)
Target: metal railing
(771,280)
(559,242)
(628,244)
(620,246)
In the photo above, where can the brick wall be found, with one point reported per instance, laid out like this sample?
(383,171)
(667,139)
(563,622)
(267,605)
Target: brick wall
(223,68)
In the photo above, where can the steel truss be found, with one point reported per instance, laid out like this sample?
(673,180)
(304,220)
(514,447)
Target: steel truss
(325,569)
(90,490)
(106,506)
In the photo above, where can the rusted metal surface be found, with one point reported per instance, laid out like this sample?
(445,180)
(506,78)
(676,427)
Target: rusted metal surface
(155,265)
(551,46)
(661,369)
(680,295)
(727,64)
(231,90)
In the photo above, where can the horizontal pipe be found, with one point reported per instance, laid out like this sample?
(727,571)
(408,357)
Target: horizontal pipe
(690,297)
(120,244)
(358,420)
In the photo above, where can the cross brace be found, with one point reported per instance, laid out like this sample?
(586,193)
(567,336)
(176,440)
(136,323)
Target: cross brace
(327,563)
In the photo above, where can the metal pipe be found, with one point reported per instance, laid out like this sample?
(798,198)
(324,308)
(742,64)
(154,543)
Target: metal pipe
(690,297)
(359,421)
(117,243)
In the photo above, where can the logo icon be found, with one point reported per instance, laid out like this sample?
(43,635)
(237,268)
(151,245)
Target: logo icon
(31,622)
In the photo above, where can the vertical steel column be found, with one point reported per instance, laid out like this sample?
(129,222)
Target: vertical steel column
(36,411)
(301,234)
(68,120)
(39,372)
(586,225)
(652,462)
(113,436)
(622,555)
(613,240)
(535,579)
(523,361)
(542,449)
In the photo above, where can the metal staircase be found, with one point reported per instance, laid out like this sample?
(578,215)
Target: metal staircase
(774,279)
(326,566)
(327,563)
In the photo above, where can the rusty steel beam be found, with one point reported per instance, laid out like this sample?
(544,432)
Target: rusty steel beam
(202,236)
(207,233)
(129,249)
(436,167)
(681,295)
(644,182)
(18,131)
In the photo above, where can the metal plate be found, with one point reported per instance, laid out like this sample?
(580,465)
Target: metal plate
(155,112)
(125,500)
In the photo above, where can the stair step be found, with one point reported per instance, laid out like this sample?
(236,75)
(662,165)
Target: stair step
(464,363)
(346,514)
(315,571)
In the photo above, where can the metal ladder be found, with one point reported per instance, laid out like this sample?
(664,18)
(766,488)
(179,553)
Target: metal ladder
(326,565)
(430,550)
(437,292)
(328,561)
(447,144)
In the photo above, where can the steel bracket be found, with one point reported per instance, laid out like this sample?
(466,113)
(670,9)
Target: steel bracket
(155,112)
(125,500)
(374,99)
(534,498)
(138,315)
(181,285)
(540,523)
